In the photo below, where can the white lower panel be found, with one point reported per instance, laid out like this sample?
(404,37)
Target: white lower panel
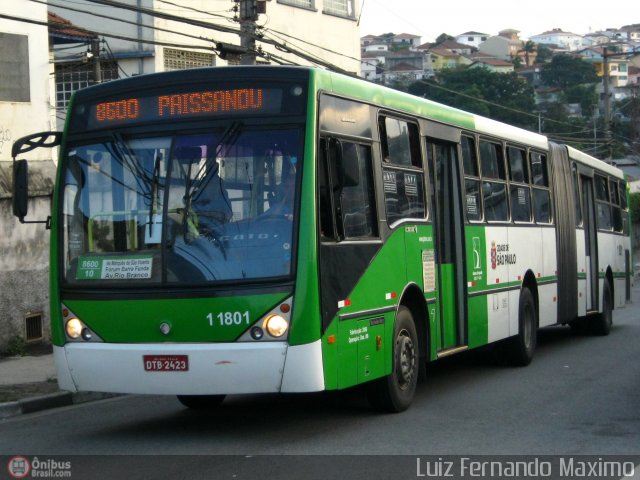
(303,370)
(213,369)
(547,304)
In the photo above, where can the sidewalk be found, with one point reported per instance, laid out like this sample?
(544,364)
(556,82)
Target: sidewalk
(28,384)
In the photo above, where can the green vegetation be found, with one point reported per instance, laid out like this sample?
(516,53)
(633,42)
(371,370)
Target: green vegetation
(16,346)
(506,96)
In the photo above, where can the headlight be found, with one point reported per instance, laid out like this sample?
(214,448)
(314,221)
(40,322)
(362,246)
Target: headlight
(74,328)
(276,325)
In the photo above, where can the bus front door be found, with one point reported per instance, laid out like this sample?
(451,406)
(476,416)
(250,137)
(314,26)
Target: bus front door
(446,202)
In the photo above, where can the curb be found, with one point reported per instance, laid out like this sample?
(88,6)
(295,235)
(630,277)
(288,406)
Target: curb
(52,400)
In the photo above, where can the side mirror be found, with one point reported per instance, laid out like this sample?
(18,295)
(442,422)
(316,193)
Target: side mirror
(20,189)
(21,171)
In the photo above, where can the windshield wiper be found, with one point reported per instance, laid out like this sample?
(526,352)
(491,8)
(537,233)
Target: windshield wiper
(155,180)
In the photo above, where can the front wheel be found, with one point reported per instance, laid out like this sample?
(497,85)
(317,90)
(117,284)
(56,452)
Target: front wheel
(394,393)
(200,402)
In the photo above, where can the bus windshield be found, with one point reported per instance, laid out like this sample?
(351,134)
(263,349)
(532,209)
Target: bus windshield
(181,208)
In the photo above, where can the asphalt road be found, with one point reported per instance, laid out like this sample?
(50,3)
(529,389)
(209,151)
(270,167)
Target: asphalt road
(580,396)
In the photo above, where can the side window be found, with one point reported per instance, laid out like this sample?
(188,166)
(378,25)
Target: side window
(517,165)
(403,194)
(494,187)
(615,205)
(491,160)
(519,185)
(346,193)
(622,186)
(577,196)
(400,142)
(603,207)
(471,179)
(540,187)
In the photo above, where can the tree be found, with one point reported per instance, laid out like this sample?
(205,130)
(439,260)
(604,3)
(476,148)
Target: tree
(564,71)
(544,54)
(444,37)
(498,90)
(528,48)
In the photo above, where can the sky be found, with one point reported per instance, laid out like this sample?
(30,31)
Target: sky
(430,18)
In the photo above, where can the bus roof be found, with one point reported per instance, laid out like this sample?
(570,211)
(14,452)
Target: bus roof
(593,162)
(381,95)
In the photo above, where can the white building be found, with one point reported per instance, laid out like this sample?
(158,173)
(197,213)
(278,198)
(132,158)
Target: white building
(565,40)
(24,109)
(473,39)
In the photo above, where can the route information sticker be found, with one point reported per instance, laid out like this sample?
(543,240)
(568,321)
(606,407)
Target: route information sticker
(114,268)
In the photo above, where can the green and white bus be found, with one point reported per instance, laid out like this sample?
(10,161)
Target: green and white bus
(280,229)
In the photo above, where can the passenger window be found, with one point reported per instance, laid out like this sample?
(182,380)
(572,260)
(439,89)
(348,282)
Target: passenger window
(469,158)
(403,194)
(471,181)
(346,193)
(539,172)
(540,192)
(517,166)
(602,189)
(400,142)
(520,203)
(604,215)
(495,201)
(615,206)
(576,192)
(357,198)
(491,160)
(494,194)
(472,193)
(542,205)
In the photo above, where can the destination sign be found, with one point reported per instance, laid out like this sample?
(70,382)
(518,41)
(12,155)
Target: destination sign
(172,106)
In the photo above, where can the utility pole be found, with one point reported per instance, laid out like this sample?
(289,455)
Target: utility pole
(248,17)
(95,52)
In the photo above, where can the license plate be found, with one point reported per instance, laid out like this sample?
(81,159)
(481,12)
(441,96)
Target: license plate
(166,363)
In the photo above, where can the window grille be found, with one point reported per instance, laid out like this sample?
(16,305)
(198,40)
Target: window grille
(298,3)
(339,7)
(33,327)
(74,76)
(183,59)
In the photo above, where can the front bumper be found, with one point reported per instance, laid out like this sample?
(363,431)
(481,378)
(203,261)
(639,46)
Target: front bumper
(231,368)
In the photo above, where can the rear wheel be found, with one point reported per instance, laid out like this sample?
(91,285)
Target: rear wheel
(520,349)
(200,402)
(394,393)
(601,323)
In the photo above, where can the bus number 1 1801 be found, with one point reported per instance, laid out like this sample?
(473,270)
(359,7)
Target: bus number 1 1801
(227,319)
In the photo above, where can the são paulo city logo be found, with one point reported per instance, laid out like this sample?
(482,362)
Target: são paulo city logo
(500,255)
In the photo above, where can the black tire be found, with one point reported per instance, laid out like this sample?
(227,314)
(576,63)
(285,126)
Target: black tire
(601,323)
(200,402)
(521,348)
(394,393)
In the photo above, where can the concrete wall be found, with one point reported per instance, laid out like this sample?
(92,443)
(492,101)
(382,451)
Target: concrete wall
(24,249)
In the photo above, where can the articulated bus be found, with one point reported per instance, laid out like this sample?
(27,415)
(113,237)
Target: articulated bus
(280,229)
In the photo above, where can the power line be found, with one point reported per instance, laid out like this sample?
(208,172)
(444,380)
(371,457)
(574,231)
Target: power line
(130,22)
(235,31)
